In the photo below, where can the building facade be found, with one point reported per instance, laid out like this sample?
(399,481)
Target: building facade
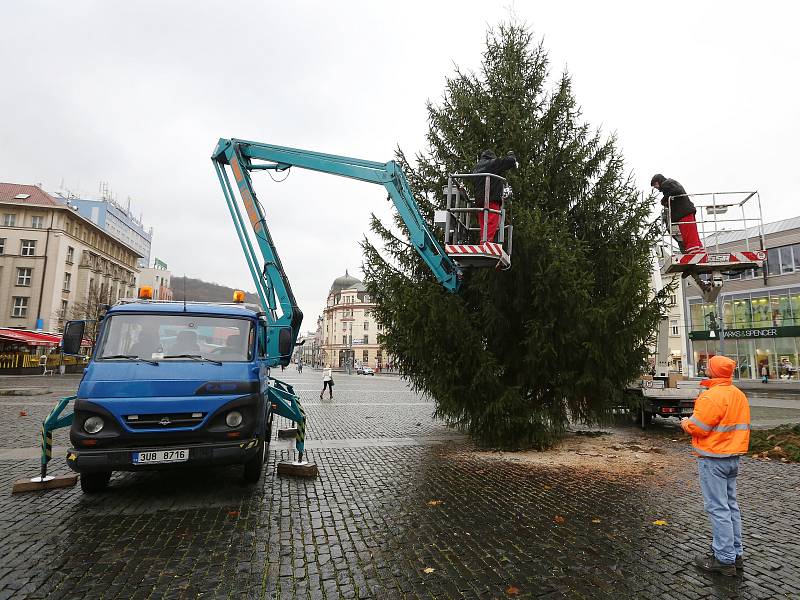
(158,278)
(55,264)
(349,332)
(117,221)
(756,319)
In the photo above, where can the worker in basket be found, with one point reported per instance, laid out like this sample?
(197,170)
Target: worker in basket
(681,212)
(489,163)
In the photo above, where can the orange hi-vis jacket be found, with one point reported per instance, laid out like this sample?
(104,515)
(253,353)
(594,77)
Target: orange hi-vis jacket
(720,425)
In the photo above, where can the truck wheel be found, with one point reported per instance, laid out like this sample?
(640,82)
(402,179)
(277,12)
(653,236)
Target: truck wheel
(255,466)
(94,483)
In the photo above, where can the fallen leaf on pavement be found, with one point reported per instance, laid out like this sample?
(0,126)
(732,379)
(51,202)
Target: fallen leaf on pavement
(559,519)
(233,513)
(512,590)
(428,570)
(435,502)
(660,522)
(595,520)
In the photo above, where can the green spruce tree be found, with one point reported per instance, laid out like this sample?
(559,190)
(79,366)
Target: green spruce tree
(517,354)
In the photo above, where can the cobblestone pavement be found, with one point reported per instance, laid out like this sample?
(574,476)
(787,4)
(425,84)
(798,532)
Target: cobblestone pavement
(403,508)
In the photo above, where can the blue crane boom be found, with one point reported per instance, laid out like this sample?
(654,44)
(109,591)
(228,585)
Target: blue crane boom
(271,281)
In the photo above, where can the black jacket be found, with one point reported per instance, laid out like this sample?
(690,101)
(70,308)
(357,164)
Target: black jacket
(488,163)
(679,207)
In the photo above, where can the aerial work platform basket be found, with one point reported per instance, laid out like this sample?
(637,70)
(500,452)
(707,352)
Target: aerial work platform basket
(731,227)
(466,242)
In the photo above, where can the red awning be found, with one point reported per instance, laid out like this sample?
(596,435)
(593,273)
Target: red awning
(34,338)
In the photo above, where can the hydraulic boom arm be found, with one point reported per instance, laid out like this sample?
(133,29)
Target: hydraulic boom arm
(271,282)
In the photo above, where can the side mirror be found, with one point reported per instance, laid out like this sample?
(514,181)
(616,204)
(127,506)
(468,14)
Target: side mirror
(73,337)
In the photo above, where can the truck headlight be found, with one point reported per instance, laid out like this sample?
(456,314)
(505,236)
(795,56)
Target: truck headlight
(93,425)
(234,418)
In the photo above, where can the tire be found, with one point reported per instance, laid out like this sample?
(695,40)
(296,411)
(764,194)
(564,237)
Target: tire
(94,483)
(255,466)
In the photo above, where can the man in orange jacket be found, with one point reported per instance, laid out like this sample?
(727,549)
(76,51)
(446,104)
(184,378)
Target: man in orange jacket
(720,430)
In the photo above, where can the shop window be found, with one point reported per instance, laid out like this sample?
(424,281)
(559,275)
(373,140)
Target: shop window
(795,302)
(762,313)
(781,311)
(742,315)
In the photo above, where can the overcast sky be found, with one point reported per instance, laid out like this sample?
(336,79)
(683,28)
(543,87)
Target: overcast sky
(137,94)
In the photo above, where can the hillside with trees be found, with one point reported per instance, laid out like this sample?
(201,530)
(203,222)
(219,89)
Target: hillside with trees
(203,291)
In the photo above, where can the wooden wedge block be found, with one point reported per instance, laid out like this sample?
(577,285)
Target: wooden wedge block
(303,469)
(59,481)
(287,434)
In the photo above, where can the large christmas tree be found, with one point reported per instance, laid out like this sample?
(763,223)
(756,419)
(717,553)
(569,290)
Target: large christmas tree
(517,354)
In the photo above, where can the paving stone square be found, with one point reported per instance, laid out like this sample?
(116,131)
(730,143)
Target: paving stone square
(403,508)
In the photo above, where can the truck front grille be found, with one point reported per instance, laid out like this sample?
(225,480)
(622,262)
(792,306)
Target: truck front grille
(164,421)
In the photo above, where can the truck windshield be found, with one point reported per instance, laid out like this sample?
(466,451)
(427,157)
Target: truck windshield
(159,337)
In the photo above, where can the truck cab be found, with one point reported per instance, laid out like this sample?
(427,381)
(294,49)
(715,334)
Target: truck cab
(173,385)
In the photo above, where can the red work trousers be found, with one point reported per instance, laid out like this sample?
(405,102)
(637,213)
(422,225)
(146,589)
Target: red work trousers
(691,239)
(492,225)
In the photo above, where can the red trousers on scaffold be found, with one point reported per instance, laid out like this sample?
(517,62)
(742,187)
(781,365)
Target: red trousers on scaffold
(691,239)
(492,225)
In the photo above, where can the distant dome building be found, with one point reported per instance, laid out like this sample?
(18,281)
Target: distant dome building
(349,331)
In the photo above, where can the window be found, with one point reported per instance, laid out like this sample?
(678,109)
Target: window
(70,254)
(787,262)
(20,308)
(9,220)
(28,247)
(2,245)
(673,299)
(67,281)
(380,327)
(673,327)
(366,325)
(344,340)
(24,276)
(37,221)
(64,306)
(365,356)
(366,339)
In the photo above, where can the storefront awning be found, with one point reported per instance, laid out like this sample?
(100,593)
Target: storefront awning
(34,338)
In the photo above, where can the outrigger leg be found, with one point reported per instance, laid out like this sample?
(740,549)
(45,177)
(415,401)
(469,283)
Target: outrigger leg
(287,404)
(52,422)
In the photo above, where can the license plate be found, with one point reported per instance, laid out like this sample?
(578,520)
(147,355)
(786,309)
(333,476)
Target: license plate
(150,457)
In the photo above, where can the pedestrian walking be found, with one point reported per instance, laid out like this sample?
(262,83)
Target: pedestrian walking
(720,430)
(682,212)
(764,374)
(327,383)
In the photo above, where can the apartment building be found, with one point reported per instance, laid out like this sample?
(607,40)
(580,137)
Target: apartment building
(54,263)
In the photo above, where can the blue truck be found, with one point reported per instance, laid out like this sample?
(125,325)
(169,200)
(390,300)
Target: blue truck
(173,384)
(181,384)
